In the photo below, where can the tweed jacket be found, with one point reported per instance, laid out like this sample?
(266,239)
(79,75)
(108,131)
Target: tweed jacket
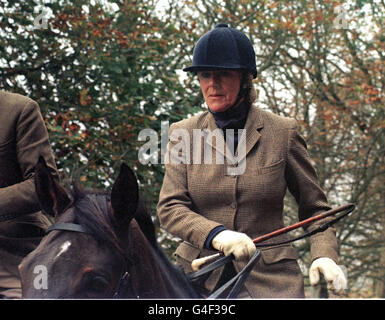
(197,197)
(23,138)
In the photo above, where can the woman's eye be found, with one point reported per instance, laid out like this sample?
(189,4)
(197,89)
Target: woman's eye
(204,75)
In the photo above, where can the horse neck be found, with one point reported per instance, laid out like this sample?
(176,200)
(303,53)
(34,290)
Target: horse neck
(152,273)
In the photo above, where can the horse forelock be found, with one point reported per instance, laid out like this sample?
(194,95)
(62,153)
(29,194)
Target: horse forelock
(93,211)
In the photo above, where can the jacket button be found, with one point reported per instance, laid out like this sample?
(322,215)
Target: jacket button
(233,205)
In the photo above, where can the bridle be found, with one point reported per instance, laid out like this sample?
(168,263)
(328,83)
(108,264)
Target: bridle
(121,288)
(124,278)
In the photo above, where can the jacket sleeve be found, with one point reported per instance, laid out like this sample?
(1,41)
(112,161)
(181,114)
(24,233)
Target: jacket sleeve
(31,141)
(303,184)
(175,208)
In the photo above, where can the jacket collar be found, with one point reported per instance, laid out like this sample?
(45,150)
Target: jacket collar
(251,133)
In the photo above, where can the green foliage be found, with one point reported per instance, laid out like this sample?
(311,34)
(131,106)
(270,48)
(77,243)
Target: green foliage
(102,71)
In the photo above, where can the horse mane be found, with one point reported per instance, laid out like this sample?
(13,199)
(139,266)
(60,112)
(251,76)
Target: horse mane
(174,274)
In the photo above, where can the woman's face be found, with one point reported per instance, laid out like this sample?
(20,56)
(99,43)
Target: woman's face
(220,88)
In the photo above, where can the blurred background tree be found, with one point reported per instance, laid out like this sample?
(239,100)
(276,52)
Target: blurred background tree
(104,70)
(101,71)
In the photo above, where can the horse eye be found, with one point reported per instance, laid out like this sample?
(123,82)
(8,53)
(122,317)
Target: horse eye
(97,284)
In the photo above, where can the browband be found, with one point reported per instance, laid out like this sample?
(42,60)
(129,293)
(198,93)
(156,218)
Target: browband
(67,227)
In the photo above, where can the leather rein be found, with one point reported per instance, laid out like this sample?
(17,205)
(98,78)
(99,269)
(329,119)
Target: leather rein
(240,278)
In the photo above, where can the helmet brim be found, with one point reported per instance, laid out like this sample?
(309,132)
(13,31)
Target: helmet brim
(196,69)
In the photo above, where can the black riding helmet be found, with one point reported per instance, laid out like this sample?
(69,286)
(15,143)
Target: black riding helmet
(223,48)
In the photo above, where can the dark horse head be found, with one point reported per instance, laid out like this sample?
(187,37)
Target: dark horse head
(102,245)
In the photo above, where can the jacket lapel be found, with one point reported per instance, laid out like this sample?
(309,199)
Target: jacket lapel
(251,133)
(217,143)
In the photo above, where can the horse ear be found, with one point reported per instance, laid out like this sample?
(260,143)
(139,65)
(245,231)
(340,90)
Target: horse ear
(125,195)
(52,197)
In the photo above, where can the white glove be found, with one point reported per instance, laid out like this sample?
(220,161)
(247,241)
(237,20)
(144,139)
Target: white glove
(333,274)
(236,243)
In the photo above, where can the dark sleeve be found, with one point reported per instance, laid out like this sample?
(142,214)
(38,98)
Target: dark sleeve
(211,236)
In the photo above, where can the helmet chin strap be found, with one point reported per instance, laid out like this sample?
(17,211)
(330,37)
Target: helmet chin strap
(241,93)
